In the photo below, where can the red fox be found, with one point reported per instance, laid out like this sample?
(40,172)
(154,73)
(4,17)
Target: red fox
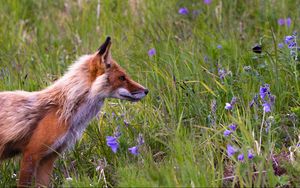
(42,124)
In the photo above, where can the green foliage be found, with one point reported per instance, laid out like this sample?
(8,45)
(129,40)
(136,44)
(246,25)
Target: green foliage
(184,141)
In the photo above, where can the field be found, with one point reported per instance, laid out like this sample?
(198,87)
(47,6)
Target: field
(224,79)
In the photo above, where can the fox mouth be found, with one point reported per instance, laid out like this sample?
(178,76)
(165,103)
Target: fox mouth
(131,96)
(134,97)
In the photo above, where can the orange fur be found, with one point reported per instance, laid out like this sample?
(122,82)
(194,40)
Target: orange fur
(42,124)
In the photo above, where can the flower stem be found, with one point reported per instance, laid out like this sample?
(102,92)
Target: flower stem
(260,132)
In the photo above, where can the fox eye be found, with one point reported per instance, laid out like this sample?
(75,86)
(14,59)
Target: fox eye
(122,78)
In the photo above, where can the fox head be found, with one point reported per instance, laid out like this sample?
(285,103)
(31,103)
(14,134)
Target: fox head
(105,72)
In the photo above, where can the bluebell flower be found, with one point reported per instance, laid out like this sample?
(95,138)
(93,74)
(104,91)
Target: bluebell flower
(183,11)
(241,157)
(232,127)
(266,107)
(207,1)
(288,22)
(292,44)
(151,52)
(140,139)
(227,132)
(196,12)
(264,90)
(289,39)
(281,21)
(112,142)
(117,132)
(126,123)
(280,45)
(228,106)
(254,101)
(134,150)
(231,150)
(219,46)
(233,101)
(250,155)
(222,73)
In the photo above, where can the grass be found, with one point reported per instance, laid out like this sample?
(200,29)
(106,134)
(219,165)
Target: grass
(183,117)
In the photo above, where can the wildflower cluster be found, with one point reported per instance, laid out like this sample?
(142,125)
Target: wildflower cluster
(287,22)
(291,42)
(232,127)
(185,11)
(113,142)
(231,150)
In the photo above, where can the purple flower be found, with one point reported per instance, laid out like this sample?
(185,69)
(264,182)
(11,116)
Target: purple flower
(126,123)
(222,73)
(207,1)
(292,44)
(280,45)
(219,46)
(266,107)
(112,142)
(250,155)
(232,127)
(288,22)
(205,58)
(183,11)
(254,101)
(264,90)
(227,132)
(196,12)
(289,39)
(272,99)
(117,132)
(241,157)
(140,139)
(134,150)
(233,101)
(228,106)
(231,150)
(281,21)
(151,52)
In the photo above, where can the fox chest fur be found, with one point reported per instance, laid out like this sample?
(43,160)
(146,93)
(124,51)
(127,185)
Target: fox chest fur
(85,113)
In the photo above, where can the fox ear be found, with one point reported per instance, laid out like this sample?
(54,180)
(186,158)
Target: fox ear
(104,52)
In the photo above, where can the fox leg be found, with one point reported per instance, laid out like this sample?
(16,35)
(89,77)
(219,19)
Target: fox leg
(28,168)
(44,169)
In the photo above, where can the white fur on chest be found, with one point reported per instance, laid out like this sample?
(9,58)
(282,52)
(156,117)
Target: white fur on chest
(81,120)
(81,116)
(85,113)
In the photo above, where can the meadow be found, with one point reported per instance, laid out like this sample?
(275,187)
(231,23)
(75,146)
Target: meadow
(224,103)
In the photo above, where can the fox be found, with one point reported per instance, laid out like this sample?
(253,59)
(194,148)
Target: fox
(40,125)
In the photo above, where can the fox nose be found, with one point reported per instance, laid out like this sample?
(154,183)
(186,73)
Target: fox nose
(146,91)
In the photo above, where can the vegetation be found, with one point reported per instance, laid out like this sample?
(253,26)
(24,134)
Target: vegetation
(204,54)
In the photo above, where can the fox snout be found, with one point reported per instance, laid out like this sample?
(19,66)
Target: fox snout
(132,96)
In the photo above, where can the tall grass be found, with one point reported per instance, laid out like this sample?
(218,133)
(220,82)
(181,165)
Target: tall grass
(183,117)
